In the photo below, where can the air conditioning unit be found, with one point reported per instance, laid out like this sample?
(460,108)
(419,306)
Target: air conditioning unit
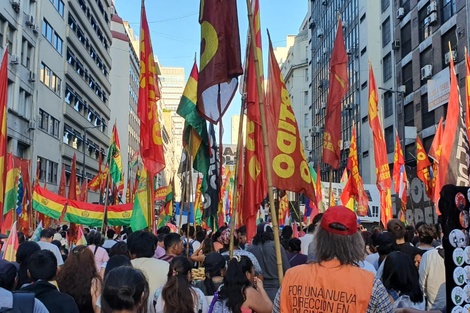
(426,71)
(432,7)
(449,54)
(348,51)
(29,20)
(15,4)
(432,18)
(320,33)
(32,125)
(396,45)
(400,13)
(32,77)
(402,88)
(14,59)
(36,29)
(346,144)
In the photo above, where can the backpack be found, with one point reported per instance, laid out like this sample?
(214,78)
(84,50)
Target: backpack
(23,302)
(191,249)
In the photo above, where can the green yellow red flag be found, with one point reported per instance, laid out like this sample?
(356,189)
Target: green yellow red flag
(83,213)
(140,208)
(120,215)
(151,143)
(3,128)
(114,157)
(47,202)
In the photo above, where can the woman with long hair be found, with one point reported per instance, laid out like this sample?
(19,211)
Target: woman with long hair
(95,240)
(23,254)
(178,295)
(207,246)
(400,278)
(80,279)
(125,289)
(242,292)
(214,266)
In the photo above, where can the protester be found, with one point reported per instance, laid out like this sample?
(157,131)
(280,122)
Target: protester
(206,247)
(286,234)
(19,302)
(426,235)
(116,261)
(401,280)
(120,248)
(217,240)
(264,251)
(23,254)
(178,295)
(58,244)
(373,257)
(101,256)
(224,239)
(397,228)
(432,278)
(125,289)
(338,249)
(242,291)
(307,239)
(173,247)
(241,232)
(160,249)
(110,241)
(80,279)
(294,255)
(45,244)
(214,266)
(42,269)
(238,251)
(142,248)
(193,243)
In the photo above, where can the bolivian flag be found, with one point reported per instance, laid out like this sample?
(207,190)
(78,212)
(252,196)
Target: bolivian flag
(120,215)
(48,203)
(114,157)
(11,186)
(84,213)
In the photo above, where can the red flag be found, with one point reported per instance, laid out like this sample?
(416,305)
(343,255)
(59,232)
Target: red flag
(290,170)
(151,144)
(422,167)
(220,63)
(399,171)
(338,88)
(84,191)
(453,162)
(3,129)
(435,154)
(255,186)
(384,182)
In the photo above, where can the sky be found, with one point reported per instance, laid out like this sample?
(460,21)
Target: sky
(175,32)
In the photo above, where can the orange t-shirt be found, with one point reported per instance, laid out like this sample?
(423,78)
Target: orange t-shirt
(326,287)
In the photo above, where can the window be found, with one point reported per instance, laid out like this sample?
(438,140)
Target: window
(50,79)
(306,74)
(386,33)
(409,115)
(59,6)
(306,142)
(305,98)
(388,104)
(448,9)
(385,5)
(51,36)
(405,4)
(449,36)
(407,78)
(427,117)
(2,30)
(387,67)
(406,40)
(306,119)
(389,140)
(48,123)
(426,57)
(47,170)
(424,27)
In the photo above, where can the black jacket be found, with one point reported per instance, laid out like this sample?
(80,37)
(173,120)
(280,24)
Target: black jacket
(53,300)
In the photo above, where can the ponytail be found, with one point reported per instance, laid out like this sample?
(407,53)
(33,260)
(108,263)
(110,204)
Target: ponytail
(177,293)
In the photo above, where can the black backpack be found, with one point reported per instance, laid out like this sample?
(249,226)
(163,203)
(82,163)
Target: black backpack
(23,302)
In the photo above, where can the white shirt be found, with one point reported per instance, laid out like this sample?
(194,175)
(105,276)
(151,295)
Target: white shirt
(53,248)
(432,279)
(109,243)
(305,241)
(373,259)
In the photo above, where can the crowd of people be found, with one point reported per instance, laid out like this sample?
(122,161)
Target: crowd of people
(332,265)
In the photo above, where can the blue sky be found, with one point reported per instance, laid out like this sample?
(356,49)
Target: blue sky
(175,31)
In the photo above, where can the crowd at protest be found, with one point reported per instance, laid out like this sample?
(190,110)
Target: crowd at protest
(332,265)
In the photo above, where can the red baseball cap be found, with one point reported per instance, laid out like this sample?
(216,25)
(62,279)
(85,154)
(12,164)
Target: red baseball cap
(339,220)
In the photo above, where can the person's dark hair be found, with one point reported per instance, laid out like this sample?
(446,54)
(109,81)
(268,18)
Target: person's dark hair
(426,234)
(311,228)
(287,232)
(177,292)
(23,254)
(242,230)
(317,218)
(376,229)
(42,265)
(295,245)
(208,246)
(400,275)
(57,243)
(47,233)
(235,282)
(94,238)
(21,237)
(125,288)
(263,234)
(9,272)
(76,276)
(213,263)
(217,234)
(116,261)
(110,233)
(161,237)
(397,228)
(419,224)
(409,233)
(385,243)
(163,230)
(185,230)
(366,236)
(142,244)
(65,227)
(119,248)
(346,249)
(171,239)
(200,235)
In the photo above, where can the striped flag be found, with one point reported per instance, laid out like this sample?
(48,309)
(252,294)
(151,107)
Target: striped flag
(3,128)
(11,246)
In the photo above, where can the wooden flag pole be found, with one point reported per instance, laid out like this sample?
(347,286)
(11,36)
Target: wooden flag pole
(105,216)
(190,187)
(330,192)
(185,185)
(239,158)
(267,154)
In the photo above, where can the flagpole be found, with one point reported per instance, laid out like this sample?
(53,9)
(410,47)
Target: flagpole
(190,187)
(185,185)
(239,158)
(330,192)
(150,211)
(105,215)
(267,154)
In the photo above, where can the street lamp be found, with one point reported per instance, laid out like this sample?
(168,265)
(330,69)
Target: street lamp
(85,130)
(401,93)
